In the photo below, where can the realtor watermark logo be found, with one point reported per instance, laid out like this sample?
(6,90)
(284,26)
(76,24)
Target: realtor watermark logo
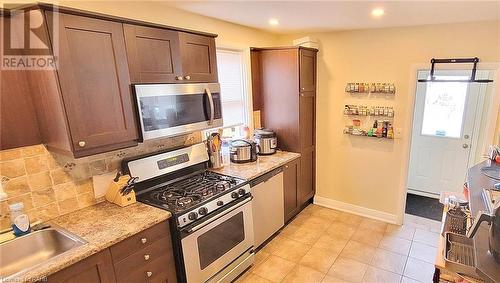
(26,44)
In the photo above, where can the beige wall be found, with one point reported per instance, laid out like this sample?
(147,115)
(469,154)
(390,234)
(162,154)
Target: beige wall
(365,172)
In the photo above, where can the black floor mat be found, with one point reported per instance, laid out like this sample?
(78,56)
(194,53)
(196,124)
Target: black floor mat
(424,207)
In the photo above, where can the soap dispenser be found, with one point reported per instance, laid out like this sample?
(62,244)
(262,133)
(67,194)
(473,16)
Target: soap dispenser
(20,220)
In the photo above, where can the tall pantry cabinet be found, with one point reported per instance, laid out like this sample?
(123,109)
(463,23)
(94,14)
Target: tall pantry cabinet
(284,91)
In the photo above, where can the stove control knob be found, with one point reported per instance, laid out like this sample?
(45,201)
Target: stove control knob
(203,211)
(234,195)
(220,203)
(192,215)
(241,192)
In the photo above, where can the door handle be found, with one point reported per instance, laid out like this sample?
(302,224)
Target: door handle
(211,102)
(465,145)
(466,137)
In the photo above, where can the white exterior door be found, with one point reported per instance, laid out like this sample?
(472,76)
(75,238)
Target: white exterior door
(443,126)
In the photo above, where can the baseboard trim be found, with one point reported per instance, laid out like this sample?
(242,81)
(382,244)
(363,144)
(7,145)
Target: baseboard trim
(354,209)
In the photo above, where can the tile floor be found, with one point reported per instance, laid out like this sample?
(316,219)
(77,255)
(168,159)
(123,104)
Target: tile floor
(326,245)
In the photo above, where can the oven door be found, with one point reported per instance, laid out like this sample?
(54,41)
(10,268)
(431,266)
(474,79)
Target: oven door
(175,109)
(212,245)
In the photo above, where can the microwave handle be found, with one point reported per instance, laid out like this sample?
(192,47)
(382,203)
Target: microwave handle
(211,101)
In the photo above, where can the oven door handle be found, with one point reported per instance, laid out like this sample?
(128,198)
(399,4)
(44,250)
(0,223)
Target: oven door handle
(211,102)
(199,226)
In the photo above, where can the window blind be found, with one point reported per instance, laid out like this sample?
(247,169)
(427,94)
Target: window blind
(230,66)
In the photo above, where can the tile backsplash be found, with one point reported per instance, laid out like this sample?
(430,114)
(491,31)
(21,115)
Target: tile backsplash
(51,184)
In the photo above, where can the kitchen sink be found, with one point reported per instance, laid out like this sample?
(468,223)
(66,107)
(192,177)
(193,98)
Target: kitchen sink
(26,252)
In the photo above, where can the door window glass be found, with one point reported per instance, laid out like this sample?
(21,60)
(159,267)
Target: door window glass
(444,107)
(219,240)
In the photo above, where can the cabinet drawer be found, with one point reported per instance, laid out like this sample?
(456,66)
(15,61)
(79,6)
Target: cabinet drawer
(144,256)
(139,241)
(161,269)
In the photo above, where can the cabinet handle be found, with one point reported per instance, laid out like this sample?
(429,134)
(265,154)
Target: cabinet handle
(149,274)
(81,143)
(286,166)
(179,78)
(303,88)
(187,77)
(144,240)
(146,257)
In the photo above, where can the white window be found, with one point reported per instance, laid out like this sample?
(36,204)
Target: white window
(232,72)
(444,107)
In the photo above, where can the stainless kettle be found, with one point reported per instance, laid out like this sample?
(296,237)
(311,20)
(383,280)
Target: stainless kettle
(493,219)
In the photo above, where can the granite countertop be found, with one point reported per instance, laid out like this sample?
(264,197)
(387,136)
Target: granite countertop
(486,265)
(264,164)
(101,225)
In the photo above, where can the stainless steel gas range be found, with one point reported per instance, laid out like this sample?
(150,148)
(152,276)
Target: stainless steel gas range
(212,224)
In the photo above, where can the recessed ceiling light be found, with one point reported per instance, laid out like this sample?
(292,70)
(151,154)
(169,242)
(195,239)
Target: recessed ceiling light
(274,22)
(378,12)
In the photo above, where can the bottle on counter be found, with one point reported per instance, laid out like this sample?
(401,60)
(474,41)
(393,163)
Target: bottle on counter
(20,220)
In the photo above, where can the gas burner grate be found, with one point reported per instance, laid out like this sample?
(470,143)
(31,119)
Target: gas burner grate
(192,190)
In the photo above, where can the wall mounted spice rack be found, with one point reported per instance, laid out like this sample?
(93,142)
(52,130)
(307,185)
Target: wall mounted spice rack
(362,110)
(380,129)
(386,88)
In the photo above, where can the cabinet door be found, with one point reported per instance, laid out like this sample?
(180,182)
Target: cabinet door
(95,84)
(97,268)
(291,181)
(18,122)
(307,72)
(153,54)
(307,107)
(307,172)
(198,58)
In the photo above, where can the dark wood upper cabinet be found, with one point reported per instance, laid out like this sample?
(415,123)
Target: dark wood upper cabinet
(307,66)
(287,94)
(256,83)
(85,106)
(18,122)
(164,56)
(94,84)
(153,54)
(19,125)
(199,63)
(291,183)
(97,268)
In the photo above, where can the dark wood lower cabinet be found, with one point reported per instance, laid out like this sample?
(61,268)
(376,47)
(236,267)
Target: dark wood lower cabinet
(144,257)
(306,184)
(291,182)
(97,268)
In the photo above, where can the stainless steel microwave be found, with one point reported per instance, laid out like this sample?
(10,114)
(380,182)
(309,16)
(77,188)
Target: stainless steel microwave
(175,109)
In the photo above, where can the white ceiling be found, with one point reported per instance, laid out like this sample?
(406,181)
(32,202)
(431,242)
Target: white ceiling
(314,16)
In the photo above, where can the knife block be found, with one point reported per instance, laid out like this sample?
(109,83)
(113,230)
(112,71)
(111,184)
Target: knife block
(113,194)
